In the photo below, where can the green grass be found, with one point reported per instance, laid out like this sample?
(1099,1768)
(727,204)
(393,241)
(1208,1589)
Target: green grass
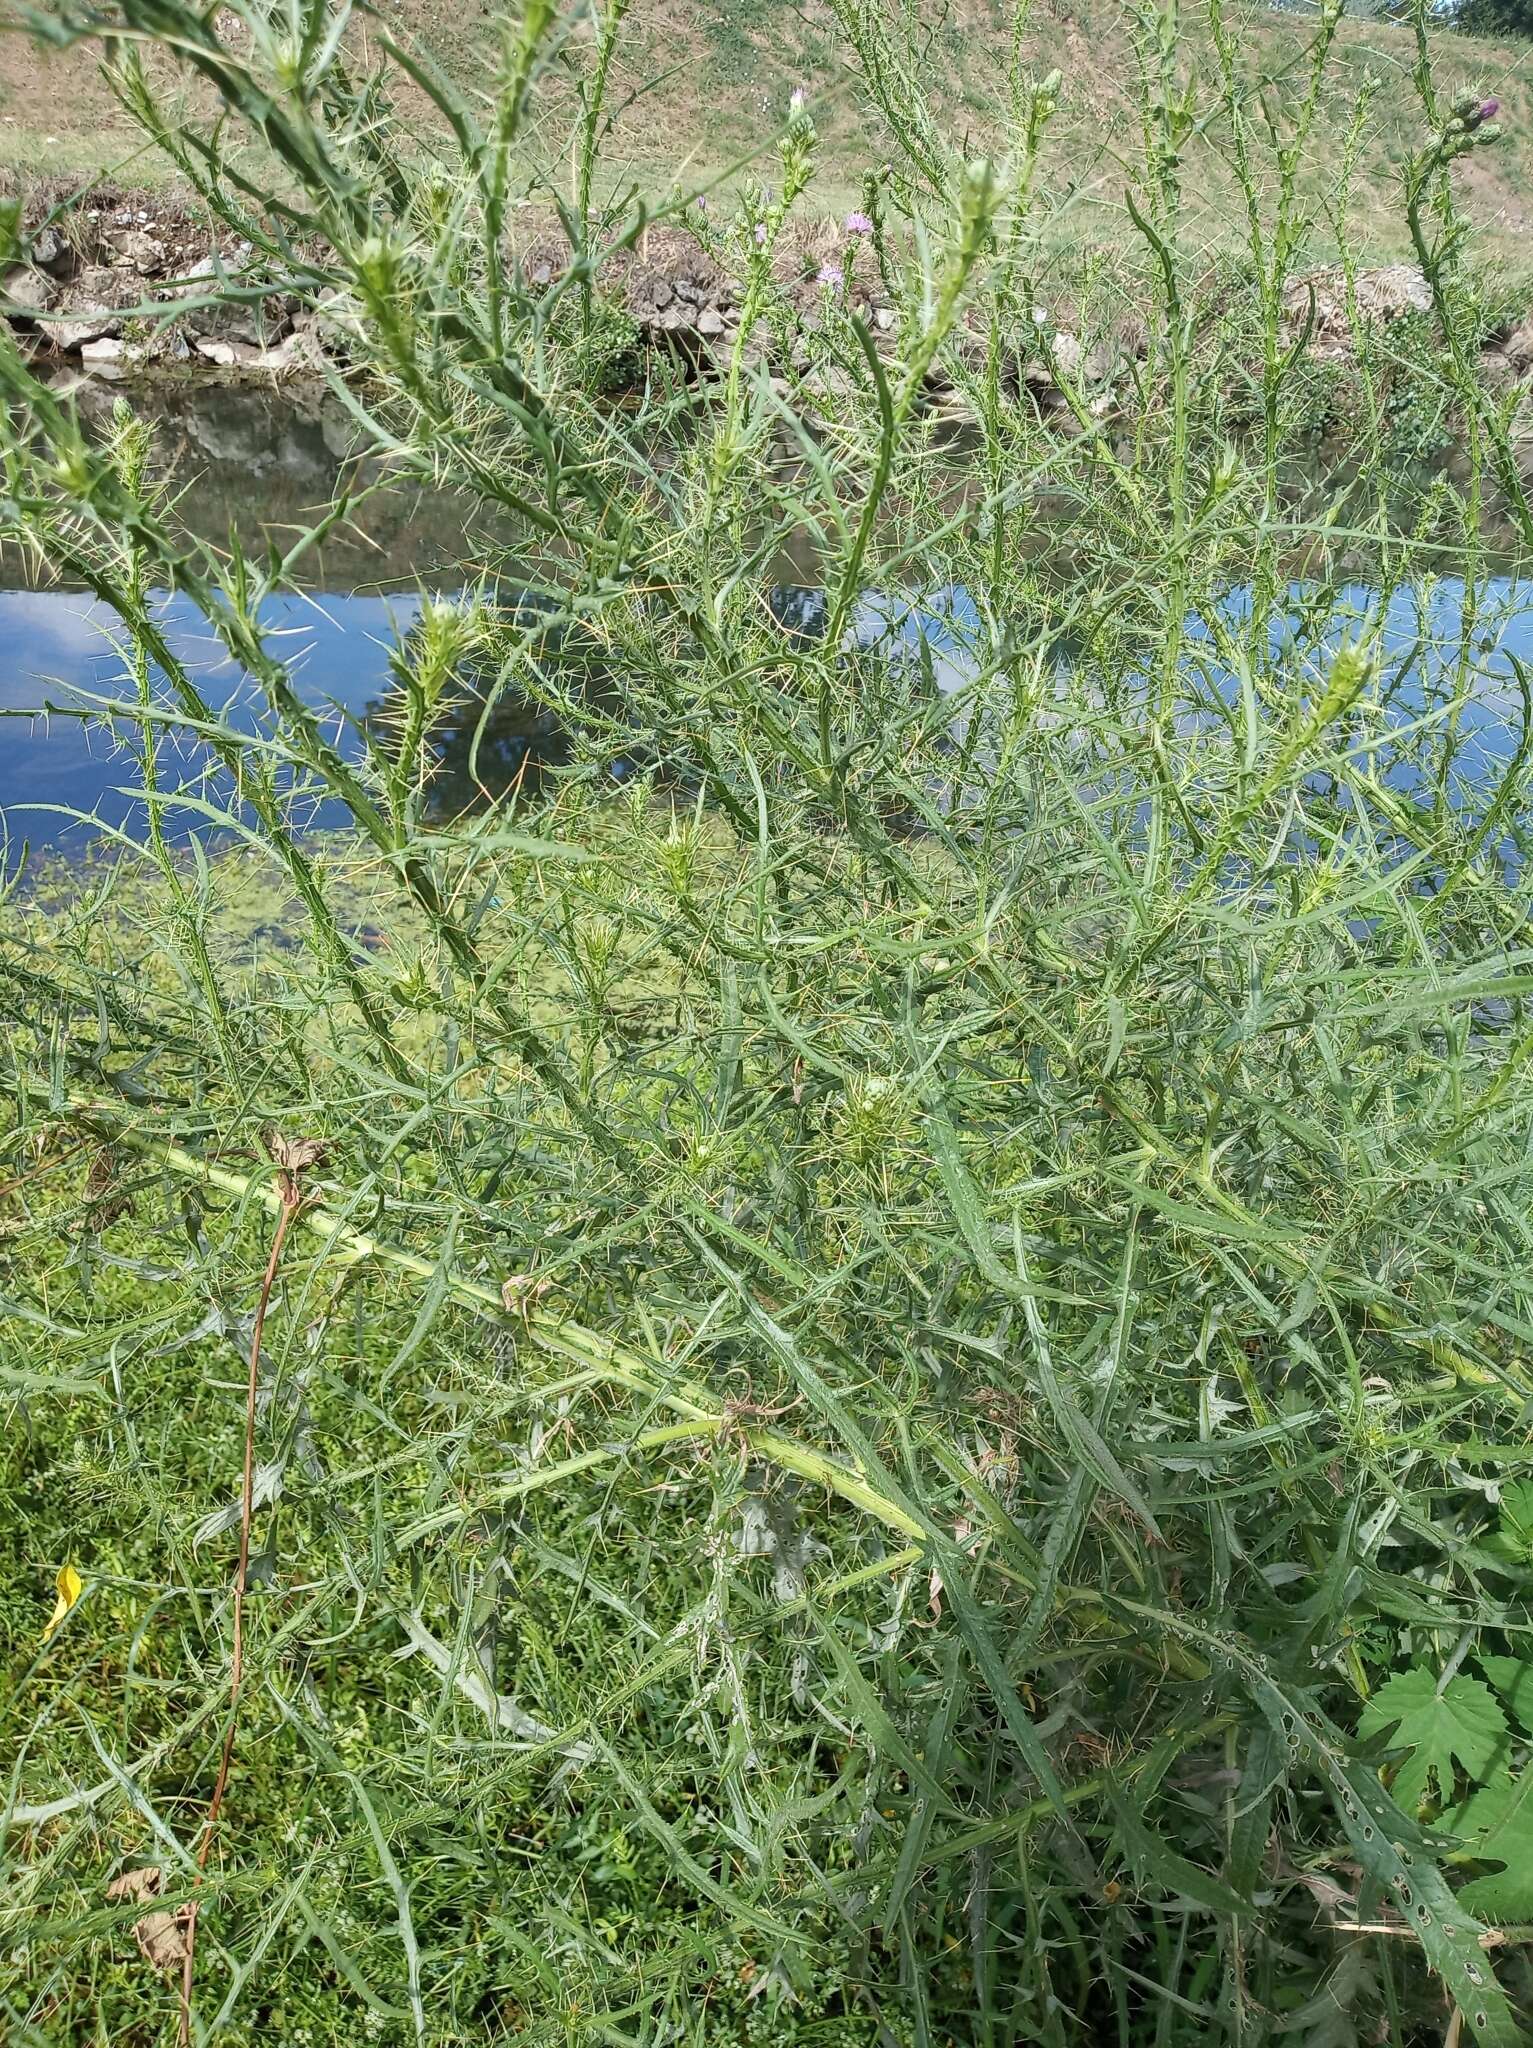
(896,1412)
(707,86)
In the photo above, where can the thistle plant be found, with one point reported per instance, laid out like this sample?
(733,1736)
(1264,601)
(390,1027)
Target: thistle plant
(852,1369)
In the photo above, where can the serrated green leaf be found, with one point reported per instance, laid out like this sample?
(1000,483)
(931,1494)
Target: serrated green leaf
(1497,1825)
(1513,1541)
(1513,1679)
(1461,1722)
(1517,1515)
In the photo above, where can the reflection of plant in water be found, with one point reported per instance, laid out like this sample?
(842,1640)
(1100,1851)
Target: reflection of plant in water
(478,708)
(483,748)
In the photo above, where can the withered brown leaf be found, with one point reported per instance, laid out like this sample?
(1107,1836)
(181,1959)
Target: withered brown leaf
(295,1156)
(163,1938)
(103,1201)
(522,1292)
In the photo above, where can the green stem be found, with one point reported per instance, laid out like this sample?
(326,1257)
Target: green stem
(705,1413)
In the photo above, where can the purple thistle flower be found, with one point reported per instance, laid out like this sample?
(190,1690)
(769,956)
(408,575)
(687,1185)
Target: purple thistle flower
(761,234)
(829,275)
(1487,110)
(858,224)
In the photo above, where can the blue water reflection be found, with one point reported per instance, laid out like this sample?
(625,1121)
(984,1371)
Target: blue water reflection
(63,777)
(1450,664)
(1449,689)
(1449,668)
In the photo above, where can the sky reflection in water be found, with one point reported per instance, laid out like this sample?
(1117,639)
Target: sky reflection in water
(265,460)
(56,648)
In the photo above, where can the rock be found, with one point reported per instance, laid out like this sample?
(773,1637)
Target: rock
(305,350)
(954,407)
(91,312)
(250,322)
(104,354)
(337,429)
(660,295)
(688,292)
(137,250)
(50,252)
(289,357)
(228,355)
(1381,296)
(757,351)
(168,345)
(1398,288)
(301,354)
(1092,365)
(27,291)
(1507,358)
(884,319)
(336,319)
(711,323)
(271,362)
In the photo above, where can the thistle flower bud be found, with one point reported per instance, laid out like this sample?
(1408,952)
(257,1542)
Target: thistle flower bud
(1470,112)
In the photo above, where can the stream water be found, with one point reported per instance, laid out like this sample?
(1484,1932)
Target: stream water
(265,462)
(260,462)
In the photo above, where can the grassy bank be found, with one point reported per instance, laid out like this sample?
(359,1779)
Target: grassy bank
(853,1371)
(700,92)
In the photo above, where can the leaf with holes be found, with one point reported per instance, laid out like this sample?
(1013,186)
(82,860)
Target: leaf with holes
(1391,1849)
(1461,1723)
(1390,1846)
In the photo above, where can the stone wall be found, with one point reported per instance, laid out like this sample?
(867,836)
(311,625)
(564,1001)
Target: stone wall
(131,282)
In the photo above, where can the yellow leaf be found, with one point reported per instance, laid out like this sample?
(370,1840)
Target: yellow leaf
(70,1586)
